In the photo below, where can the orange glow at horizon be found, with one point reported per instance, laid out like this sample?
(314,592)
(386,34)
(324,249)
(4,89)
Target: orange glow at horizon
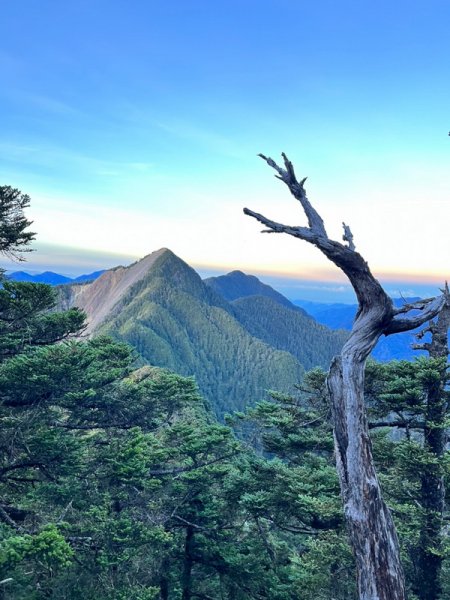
(331,275)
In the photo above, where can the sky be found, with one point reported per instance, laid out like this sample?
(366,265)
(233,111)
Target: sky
(136,125)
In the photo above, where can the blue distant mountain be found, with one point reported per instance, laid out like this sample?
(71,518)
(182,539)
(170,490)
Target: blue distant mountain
(340,316)
(335,316)
(52,278)
(20,276)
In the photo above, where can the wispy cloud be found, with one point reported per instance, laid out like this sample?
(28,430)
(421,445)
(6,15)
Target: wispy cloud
(402,292)
(47,155)
(203,137)
(189,129)
(32,101)
(52,105)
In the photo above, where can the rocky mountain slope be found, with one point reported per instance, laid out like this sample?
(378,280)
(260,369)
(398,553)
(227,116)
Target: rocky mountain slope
(173,319)
(100,297)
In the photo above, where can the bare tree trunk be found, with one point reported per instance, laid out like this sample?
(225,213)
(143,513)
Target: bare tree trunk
(432,493)
(371,529)
(370,526)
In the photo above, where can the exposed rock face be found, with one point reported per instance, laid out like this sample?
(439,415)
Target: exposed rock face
(98,298)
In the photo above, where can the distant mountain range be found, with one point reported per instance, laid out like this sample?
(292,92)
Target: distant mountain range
(395,347)
(336,315)
(52,278)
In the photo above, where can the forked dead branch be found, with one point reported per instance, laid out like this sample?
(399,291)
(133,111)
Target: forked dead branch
(371,529)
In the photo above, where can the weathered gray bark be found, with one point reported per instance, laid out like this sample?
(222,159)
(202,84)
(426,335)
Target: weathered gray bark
(371,529)
(432,494)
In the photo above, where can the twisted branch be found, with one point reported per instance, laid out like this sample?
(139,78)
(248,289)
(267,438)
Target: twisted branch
(368,290)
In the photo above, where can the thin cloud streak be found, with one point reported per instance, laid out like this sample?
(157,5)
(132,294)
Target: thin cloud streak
(207,139)
(43,155)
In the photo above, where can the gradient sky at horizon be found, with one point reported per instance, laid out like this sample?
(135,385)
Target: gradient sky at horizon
(135,126)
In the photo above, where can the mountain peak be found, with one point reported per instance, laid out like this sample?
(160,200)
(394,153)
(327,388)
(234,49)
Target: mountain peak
(237,284)
(47,277)
(149,259)
(160,252)
(99,298)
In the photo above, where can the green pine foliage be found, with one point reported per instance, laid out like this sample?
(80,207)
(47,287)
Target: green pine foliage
(14,239)
(301,494)
(117,482)
(26,319)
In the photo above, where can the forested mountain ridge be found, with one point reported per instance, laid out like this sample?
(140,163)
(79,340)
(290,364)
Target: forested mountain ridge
(243,289)
(271,317)
(237,284)
(165,311)
(288,329)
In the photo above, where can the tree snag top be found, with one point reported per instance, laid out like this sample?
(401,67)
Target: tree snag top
(371,296)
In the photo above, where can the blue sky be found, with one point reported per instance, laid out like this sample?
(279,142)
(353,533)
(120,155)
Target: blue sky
(135,125)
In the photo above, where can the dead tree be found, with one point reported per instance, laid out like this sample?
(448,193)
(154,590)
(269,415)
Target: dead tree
(371,529)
